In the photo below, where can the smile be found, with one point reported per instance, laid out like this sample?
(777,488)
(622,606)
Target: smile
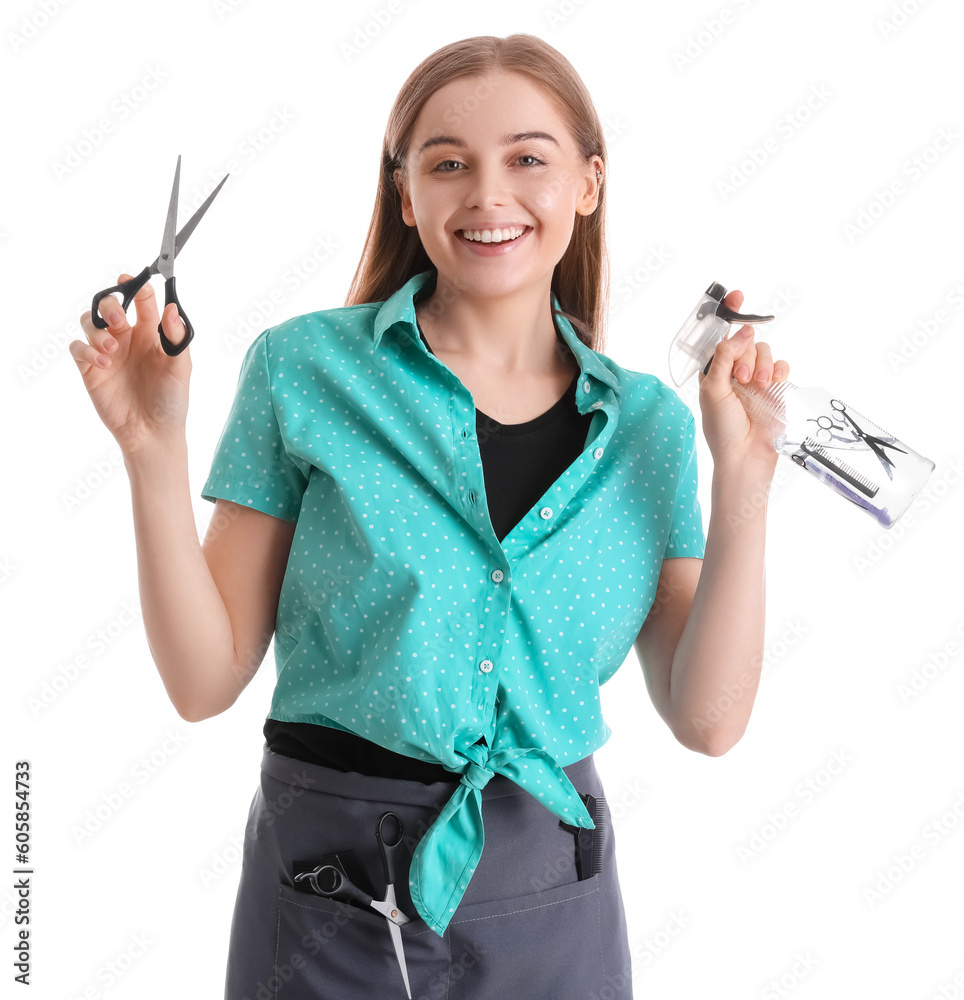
(493,235)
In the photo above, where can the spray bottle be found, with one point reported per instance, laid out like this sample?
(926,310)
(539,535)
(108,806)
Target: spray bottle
(819,432)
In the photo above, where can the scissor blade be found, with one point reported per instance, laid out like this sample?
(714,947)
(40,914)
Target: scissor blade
(191,224)
(400,955)
(165,259)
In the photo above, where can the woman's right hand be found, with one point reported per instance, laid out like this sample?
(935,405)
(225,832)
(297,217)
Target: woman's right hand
(139,392)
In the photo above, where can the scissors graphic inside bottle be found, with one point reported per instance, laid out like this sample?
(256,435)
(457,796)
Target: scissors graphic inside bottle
(327,880)
(164,264)
(857,438)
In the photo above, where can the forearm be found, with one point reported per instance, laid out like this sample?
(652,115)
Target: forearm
(188,628)
(717,664)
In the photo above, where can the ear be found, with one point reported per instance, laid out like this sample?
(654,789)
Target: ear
(408,214)
(589,197)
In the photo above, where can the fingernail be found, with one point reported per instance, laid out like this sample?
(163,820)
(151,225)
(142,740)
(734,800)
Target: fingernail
(109,343)
(115,317)
(742,373)
(763,377)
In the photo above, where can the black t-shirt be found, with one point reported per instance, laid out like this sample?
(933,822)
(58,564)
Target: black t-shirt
(519,463)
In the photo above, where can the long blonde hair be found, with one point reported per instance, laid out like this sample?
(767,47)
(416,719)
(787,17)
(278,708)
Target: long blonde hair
(393,251)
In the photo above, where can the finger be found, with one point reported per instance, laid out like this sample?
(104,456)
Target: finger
(745,361)
(763,369)
(725,357)
(112,310)
(145,306)
(781,371)
(174,328)
(101,340)
(743,367)
(88,356)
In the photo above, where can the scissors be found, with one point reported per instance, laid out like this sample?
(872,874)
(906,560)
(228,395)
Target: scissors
(858,437)
(327,880)
(164,264)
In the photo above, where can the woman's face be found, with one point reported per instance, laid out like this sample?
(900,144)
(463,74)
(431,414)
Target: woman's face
(491,156)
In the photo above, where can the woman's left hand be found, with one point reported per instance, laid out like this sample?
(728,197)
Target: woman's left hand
(736,441)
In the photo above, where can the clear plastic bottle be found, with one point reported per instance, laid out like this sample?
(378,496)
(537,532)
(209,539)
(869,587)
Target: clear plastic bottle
(841,447)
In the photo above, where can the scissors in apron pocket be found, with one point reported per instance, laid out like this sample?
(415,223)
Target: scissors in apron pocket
(327,880)
(164,264)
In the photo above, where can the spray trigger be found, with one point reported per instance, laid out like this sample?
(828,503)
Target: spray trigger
(692,348)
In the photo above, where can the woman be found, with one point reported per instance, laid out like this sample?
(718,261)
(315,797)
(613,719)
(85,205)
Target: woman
(456,516)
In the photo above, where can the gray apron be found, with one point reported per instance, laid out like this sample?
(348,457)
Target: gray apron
(526,927)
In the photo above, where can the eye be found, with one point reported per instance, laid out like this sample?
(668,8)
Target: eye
(535,160)
(443,167)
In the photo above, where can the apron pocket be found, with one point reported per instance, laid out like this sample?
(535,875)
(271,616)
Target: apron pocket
(330,949)
(545,944)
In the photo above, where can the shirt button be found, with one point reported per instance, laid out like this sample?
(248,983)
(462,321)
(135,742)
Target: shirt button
(598,453)
(586,386)
(486,666)
(545,513)
(497,576)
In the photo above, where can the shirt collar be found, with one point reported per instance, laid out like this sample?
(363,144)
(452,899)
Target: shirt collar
(399,309)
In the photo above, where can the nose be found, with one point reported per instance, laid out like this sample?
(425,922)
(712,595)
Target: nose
(488,187)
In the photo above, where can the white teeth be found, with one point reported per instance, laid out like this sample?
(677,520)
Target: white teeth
(493,235)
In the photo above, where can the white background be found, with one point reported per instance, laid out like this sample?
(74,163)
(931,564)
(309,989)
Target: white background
(689,96)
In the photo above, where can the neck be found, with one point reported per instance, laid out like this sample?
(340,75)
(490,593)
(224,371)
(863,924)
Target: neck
(511,334)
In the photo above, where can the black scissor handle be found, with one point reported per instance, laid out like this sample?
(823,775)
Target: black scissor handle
(127,288)
(389,838)
(170,295)
(329,881)
(321,879)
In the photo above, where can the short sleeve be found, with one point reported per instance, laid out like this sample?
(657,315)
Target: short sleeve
(251,465)
(686,538)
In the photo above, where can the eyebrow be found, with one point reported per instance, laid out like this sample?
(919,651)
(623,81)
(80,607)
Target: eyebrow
(506,140)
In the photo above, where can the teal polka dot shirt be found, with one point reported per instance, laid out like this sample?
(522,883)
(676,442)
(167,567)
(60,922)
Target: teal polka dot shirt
(402,617)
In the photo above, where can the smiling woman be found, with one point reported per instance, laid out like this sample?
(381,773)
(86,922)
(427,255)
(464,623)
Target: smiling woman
(456,517)
(467,102)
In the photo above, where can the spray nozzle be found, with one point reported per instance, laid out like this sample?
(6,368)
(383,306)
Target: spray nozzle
(692,348)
